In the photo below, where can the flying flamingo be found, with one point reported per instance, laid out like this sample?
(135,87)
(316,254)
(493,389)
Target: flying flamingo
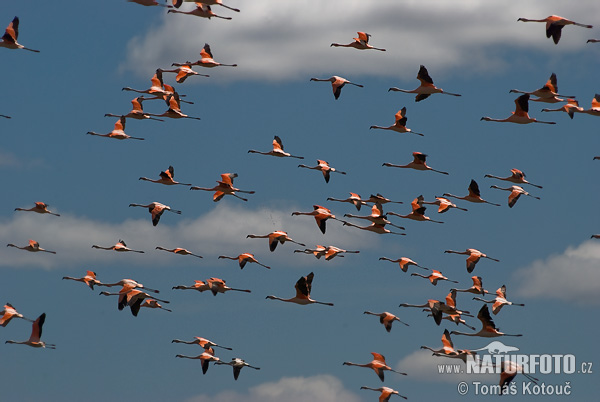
(128,283)
(520,115)
(178,250)
(324,167)
(508,371)
(183,71)
(500,300)
(158,87)
(131,297)
(386,393)
(156,209)
(377,216)
(303,288)
(40,208)
(200,286)
(33,247)
(274,237)
(418,163)
(387,319)
(36,334)
(594,110)
(354,199)
(318,252)
(360,43)
(548,93)
(404,263)
(120,246)
(321,215)
(474,257)
(444,204)
(329,252)
(517,176)
(205,358)
(515,193)
(477,287)
(417,213)
(201,10)
(118,133)
(208,2)
(554,25)
(173,101)
(473,196)
(166,178)
(434,277)
(147,3)
(206,59)
(8,313)
(437,308)
(400,124)
(243,259)
(448,349)
(488,329)
(137,112)
(237,365)
(378,365)
(426,88)
(337,83)
(380,199)
(571,107)
(89,279)
(374,227)
(595,236)
(151,303)
(217,285)
(456,318)
(224,187)
(9,39)
(203,342)
(277,150)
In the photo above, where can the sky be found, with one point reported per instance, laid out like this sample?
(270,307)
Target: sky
(88,52)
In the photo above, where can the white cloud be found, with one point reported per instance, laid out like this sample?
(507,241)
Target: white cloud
(221,231)
(572,276)
(322,388)
(280,40)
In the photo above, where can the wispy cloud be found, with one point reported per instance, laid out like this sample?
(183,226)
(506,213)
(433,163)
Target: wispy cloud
(572,276)
(322,388)
(275,40)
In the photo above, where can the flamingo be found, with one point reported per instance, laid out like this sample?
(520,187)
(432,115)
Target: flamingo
(120,246)
(156,209)
(548,93)
(508,371)
(137,112)
(426,88)
(434,277)
(404,263)
(417,213)
(517,176)
(206,59)
(595,236)
(500,300)
(456,318)
(387,319)
(217,285)
(277,150)
(201,10)
(177,4)
(89,279)
(444,204)
(360,43)
(477,287)
(203,342)
(337,83)
(400,124)
(571,107)
(151,303)
(594,110)
(488,329)
(178,250)
(303,288)
(8,313)
(321,215)
(520,115)
(200,286)
(318,252)
(131,297)
(183,71)
(274,237)
(374,227)
(515,193)
(330,252)
(474,257)
(174,111)
(418,163)
(437,308)
(205,358)
(473,196)
(243,259)
(158,87)
(147,3)
(448,349)
(237,365)
(33,247)
(378,365)
(166,178)
(554,25)
(118,132)
(40,208)
(354,199)
(380,199)
(11,34)
(36,333)
(224,187)
(324,167)
(386,393)
(128,283)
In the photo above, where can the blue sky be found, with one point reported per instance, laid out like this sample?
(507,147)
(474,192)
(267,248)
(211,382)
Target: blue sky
(88,52)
